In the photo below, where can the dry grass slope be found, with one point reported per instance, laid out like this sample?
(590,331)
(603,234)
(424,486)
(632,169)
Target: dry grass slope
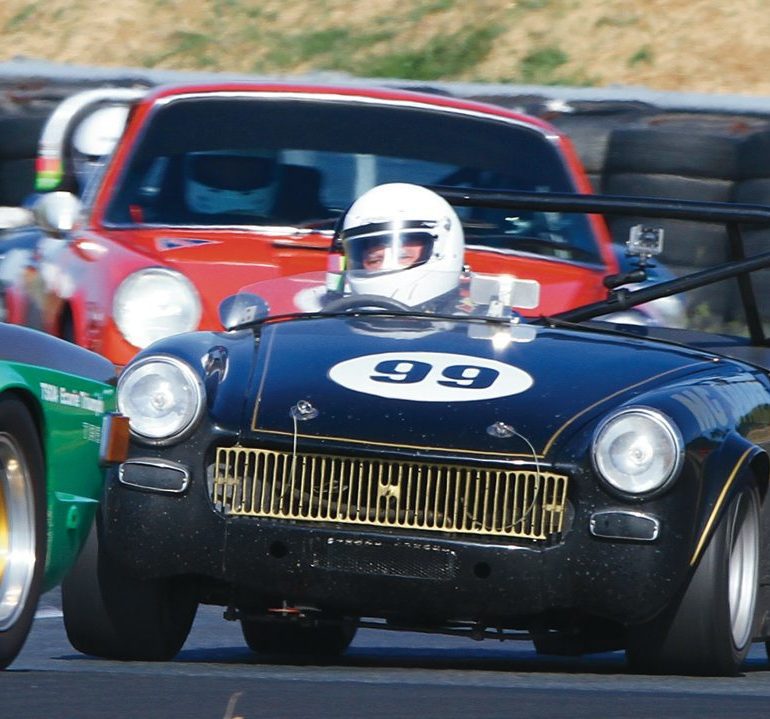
(685,45)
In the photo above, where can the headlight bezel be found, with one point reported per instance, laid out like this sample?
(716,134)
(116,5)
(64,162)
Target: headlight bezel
(670,431)
(189,375)
(126,291)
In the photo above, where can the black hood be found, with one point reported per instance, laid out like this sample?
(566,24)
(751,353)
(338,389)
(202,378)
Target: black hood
(445,385)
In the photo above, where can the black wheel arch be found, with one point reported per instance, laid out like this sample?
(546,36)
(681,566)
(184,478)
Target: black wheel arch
(759,466)
(738,463)
(35,411)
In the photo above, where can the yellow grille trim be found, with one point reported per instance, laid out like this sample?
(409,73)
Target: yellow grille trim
(384,493)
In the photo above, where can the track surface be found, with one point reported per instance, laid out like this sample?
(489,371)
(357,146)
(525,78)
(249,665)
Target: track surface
(384,674)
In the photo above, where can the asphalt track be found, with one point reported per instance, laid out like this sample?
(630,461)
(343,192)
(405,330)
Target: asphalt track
(383,674)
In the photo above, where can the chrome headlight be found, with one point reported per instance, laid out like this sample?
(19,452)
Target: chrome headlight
(154,303)
(637,451)
(162,398)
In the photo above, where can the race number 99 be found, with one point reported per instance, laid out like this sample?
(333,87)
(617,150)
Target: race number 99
(430,377)
(461,375)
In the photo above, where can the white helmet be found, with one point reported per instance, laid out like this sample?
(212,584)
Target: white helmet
(94,137)
(402,241)
(222,181)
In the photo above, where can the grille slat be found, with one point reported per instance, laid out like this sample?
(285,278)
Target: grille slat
(384,493)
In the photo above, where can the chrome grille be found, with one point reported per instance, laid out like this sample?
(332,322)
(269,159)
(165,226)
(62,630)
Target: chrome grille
(383,493)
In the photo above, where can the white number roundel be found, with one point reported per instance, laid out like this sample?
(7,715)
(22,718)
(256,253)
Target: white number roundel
(430,377)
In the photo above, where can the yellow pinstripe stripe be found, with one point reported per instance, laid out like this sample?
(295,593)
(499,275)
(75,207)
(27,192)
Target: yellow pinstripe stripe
(715,511)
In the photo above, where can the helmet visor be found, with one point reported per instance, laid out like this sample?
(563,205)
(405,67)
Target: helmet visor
(234,172)
(388,246)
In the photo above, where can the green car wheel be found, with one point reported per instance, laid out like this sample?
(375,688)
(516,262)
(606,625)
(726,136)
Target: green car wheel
(22,526)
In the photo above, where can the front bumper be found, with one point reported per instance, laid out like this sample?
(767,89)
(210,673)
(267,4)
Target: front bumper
(397,574)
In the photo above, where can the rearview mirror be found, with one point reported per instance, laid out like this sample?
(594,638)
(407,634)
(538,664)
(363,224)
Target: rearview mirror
(504,289)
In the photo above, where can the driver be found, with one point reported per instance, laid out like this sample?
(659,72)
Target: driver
(232,181)
(404,242)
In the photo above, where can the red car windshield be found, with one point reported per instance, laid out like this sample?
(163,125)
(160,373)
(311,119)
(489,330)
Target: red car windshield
(258,161)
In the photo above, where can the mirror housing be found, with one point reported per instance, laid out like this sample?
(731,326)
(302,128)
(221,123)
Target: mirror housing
(241,309)
(57,212)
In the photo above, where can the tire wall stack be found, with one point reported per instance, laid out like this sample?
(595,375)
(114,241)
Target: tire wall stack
(689,156)
(25,107)
(19,135)
(591,126)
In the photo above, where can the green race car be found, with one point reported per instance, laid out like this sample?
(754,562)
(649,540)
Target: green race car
(57,429)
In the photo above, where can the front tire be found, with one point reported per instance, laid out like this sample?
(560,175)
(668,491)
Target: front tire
(109,614)
(711,630)
(22,526)
(289,638)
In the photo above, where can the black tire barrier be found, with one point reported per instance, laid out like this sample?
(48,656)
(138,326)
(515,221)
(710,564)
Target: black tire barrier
(713,307)
(691,145)
(19,139)
(756,241)
(754,158)
(677,187)
(685,244)
(590,131)
(755,191)
(17,180)
(19,135)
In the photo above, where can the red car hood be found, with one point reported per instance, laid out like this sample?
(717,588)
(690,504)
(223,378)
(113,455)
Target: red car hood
(220,262)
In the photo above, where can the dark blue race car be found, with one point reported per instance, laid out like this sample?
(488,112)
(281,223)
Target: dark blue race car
(327,463)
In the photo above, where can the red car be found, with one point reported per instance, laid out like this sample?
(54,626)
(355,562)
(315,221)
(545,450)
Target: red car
(213,187)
